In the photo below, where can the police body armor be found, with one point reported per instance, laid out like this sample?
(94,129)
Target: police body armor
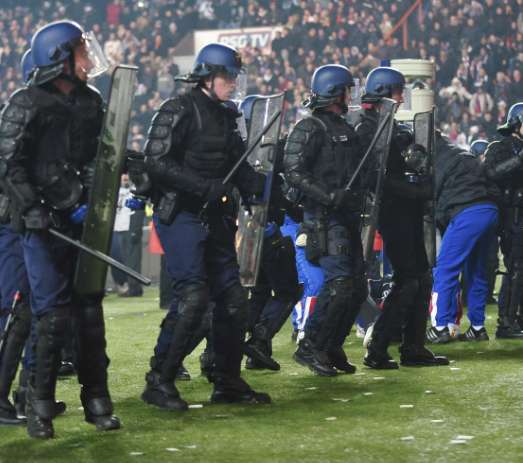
(504,167)
(59,135)
(207,152)
(329,168)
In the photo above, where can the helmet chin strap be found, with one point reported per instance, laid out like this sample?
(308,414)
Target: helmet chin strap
(71,75)
(210,92)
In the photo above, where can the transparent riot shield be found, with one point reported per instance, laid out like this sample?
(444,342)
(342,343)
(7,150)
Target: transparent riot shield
(252,218)
(91,273)
(424,127)
(380,155)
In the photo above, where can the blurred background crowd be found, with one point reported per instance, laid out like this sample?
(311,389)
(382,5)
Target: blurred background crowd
(476,44)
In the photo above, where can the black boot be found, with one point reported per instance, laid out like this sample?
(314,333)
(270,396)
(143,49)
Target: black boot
(379,361)
(207,363)
(257,350)
(40,407)
(317,361)
(508,329)
(66,369)
(20,398)
(236,390)
(98,409)
(183,374)
(40,415)
(160,392)
(338,359)
(420,356)
(14,341)
(8,414)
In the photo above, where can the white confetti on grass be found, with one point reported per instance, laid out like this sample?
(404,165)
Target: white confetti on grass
(428,391)
(136,454)
(479,353)
(331,418)
(172,449)
(452,361)
(462,437)
(368,393)
(192,446)
(406,406)
(458,441)
(378,377)
(407,438)
(454,369)
(340,400)
(359,374)
(313,388)
(196,406)
(437,421)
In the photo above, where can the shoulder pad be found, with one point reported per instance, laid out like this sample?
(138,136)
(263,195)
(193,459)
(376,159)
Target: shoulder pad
(22,98)
(494,147)
(163,122)
(300,134)
(310,124)
(96,94)
(15,116)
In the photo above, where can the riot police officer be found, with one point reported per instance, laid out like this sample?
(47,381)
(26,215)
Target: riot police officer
(192,144)
(504,166)
(277,289)
(321,153)
(400,224)
(48,143)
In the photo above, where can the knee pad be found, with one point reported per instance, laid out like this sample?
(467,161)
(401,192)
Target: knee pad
(194,298)
(407,288)
(234,301)
(53,325)
(22,322)
(341,288)
(194,301)
(425,284)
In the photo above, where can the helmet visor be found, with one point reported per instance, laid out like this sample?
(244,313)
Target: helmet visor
(97,62)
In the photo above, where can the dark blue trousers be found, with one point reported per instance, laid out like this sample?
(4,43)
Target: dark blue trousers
(197,253)
(13,278)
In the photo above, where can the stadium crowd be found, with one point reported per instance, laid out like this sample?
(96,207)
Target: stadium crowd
(477,46)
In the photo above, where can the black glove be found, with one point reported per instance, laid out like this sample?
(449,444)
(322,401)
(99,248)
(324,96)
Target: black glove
(135,164)
(345,201)
(403,135)
(217,190)
(37,218)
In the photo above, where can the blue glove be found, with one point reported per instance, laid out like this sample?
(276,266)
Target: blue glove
(135,204)
(78,215)
(270,229)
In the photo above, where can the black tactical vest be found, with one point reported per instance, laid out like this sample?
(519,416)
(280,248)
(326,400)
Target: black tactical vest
(207,147)
(336,161)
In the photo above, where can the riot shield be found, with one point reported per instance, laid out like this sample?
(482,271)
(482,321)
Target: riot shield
(380,154)
(424,135)
(98,227)
(252,218)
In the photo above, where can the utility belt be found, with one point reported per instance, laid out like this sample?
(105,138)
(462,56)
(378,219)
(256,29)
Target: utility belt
(171,203)
(326,239)
(513,197)
(416,178)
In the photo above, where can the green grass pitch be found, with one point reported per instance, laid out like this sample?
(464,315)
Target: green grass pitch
(412,414)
